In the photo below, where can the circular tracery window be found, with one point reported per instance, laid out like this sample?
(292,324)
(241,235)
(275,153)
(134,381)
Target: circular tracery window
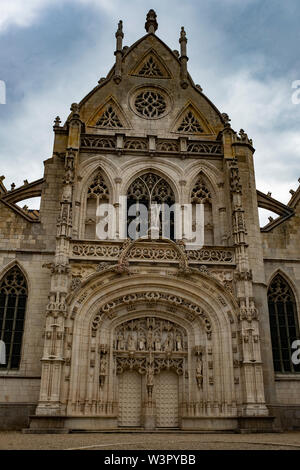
(150,104)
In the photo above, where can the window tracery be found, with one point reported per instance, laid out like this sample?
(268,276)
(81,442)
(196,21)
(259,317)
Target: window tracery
(150,69)
(149,189)
(109,119)
(283,323)
(13,298)
(150,104)
(190,124)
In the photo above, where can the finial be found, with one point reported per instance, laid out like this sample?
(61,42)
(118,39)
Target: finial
(226,119)
(183,59)
(57,122)
(292,192)
(182,34)
(12,186)
(75,108)
(120,29)
(118,53)
(151,24)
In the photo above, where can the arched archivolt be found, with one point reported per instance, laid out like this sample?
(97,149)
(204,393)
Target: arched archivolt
(151,66)
(109,115)
(195,289)
(191,121)
(156,171)
(89,167)
(15,263)
(96,191)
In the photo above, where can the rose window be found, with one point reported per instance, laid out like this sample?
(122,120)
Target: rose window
(150,104)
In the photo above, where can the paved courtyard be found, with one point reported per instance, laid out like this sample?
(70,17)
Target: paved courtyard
(143,441)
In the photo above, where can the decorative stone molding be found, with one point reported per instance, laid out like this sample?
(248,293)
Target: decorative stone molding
(193,147)
(146,251)
(153,296)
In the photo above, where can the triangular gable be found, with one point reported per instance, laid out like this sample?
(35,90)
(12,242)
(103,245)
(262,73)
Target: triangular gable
(191,121)
(151,66)
(109,116)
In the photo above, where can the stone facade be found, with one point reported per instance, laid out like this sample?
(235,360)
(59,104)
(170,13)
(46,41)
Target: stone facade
(148,333)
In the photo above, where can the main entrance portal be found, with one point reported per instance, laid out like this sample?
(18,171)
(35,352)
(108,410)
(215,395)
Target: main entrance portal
(150,355)
(132,408)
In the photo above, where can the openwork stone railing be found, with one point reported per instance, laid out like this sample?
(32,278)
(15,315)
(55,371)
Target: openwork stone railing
(122,144)
(142,252)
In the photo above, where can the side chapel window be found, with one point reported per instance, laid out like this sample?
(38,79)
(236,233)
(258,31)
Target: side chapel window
(13,297)
(283,323)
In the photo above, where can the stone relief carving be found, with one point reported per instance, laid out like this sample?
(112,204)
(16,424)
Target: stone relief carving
(152,296)
(150,334)
(156,253)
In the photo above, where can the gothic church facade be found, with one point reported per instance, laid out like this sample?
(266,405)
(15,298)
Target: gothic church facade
(116,332)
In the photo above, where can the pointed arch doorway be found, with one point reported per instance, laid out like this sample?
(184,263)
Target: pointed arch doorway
(150,355)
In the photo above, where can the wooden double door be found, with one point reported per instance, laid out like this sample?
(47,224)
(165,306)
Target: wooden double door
(165,394)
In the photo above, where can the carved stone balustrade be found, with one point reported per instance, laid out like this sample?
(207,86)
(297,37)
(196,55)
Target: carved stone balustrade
(146,251)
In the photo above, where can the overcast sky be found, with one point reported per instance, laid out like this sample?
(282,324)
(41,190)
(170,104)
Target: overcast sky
(244,54)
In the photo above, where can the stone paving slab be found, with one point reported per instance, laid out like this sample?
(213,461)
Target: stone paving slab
(102,441)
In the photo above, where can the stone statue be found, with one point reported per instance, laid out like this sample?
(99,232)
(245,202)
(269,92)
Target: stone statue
(142,343)
(150,339)
(120,342)
(157,342)
(102,371)
(131,343)
(199,372)
(150,381)
(169,343)
(178,343)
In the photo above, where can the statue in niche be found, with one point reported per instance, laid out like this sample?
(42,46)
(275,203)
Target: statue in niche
(120,342)
(150,381)
(150,339)
(157,342)
(102,371)
(199,372)
(168,346)
(142,342)
(131,343)
(179,343)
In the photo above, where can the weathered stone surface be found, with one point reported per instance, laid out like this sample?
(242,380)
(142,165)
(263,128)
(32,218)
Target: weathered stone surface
(183,334)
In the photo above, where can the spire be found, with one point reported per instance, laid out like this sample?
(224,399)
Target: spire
(118,52)
(151,23)
(183,58)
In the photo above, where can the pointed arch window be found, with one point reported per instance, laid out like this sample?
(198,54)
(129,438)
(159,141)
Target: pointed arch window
(146,192)
(13,299)
(98,193)
(201,195)
(283,323)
